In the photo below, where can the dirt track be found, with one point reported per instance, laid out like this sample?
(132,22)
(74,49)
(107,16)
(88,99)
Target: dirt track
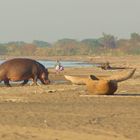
(63,112)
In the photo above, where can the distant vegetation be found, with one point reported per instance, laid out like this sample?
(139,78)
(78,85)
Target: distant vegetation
(105,45)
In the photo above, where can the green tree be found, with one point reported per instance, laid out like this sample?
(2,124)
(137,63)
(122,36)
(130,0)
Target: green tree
(108,41)
(3,49)
(40,43)
(135,37)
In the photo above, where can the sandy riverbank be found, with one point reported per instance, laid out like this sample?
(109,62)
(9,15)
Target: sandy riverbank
(61,111)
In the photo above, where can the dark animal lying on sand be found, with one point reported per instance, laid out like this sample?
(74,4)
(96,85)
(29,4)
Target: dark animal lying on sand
(101,85)
(23,69)
(106,66)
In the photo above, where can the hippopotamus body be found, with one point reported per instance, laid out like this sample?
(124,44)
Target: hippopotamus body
(23,69)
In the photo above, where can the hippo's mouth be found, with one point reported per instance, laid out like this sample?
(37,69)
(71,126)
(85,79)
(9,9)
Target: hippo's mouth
(46,82)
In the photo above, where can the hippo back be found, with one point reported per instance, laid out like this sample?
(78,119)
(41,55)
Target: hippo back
(20,69)
(16,62)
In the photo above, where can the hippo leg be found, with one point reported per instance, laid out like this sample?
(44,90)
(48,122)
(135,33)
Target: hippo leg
(6,82)
(34,81)
(25,82)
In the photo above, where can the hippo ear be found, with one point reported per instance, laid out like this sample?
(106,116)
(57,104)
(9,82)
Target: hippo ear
(46,69)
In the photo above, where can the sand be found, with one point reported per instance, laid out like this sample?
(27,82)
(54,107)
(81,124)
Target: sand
(63,111)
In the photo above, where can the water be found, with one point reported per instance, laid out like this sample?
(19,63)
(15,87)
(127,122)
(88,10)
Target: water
(51,64)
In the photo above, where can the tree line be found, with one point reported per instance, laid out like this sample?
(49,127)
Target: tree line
(105,45)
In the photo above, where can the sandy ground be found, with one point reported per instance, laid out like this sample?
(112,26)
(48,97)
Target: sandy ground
(62,111)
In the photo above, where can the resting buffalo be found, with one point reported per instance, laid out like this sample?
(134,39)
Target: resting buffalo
(101,85)
(23,69)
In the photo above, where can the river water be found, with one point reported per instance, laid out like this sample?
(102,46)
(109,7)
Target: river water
(51,64)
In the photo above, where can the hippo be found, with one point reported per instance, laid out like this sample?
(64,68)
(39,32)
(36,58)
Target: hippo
(23,69)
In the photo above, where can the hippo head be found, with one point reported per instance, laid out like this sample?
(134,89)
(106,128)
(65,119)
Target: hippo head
(44,77)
